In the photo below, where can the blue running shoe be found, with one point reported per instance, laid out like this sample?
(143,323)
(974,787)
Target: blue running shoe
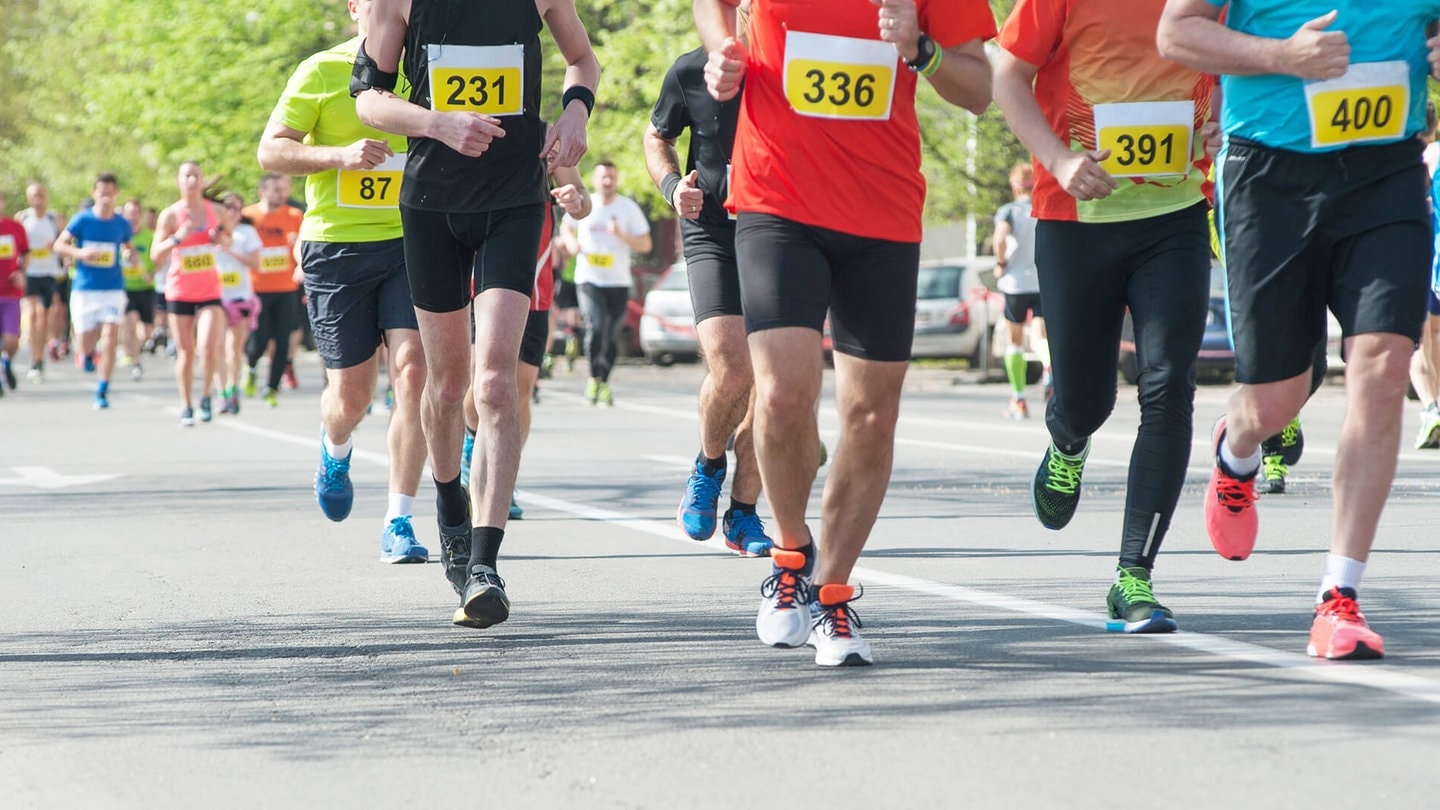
(516,513)
(745,534)
(465,453)
(398,544)
(697,510)
(333,489)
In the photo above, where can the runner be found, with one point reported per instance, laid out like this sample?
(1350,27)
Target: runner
(236,262)
(708,232)
(187,240)
(97,240)
(1320,205)
(806,243)
(14,256)
(604,243)
(354,263)
(42,228)
(278,223)
(473,204)
(1120,139)
(1425,362)
(139,289)
(1014,247)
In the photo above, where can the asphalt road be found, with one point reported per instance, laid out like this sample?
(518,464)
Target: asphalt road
(184,628)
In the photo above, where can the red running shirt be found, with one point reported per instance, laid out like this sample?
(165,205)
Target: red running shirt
(827,133)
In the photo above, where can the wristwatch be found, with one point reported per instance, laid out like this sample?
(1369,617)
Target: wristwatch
(924,52)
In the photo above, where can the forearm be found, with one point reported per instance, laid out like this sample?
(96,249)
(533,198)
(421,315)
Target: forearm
(964,77)
(1015,95)
(1210,47)
(661,159)
(388,112)
(714,21)
(638,244)
(287,156)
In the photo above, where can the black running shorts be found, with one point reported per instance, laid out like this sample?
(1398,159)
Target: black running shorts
(354,293)
(710,265)
(453,257)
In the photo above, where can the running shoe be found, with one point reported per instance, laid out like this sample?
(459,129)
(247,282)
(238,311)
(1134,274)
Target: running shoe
(1056,491)
(466,451)
(249,386)
(1017,409)
(87,362)
(699,507)
(784,616)
(389,397)
(483,600)
(592,390)
(1429,436)
(206,412)
(101,401)
(398,543)
(289,380)
(137,372)
(1133,607)
(547,366)
(835,632)
(535,394)
(9,372)
(745,534)
(1230,518)
(824,453)
(35,375)
(516,513)
(187,417)
(271,398)
(605,396)
(455,555)
(1339,631)
(572,351)
(1292,441)
(232,405)
(333,490)
(1273,471)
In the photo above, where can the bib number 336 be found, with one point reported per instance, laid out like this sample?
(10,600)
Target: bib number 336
(839,77)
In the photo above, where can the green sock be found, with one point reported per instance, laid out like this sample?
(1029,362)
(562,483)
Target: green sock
(1015,370)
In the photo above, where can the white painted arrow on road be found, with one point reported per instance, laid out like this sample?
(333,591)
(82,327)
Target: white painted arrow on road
(46,478)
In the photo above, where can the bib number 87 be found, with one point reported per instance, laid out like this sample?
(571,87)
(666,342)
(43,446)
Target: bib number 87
(840,88)
(374,187)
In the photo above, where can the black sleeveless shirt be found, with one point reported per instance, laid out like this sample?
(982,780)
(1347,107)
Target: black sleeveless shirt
(510,173)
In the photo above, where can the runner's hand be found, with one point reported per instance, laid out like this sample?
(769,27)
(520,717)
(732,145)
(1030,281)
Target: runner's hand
(725,69)
(1210,136)
(569,198)
(1080,174)
(1314,53)
(900,27)
(565,141)
(468,133)
(687,198)
(366,153)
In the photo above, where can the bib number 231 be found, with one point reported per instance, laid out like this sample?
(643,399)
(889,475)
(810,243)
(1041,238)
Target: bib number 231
(485,79)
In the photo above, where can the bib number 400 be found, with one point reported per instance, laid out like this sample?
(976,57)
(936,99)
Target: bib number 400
(1363,113)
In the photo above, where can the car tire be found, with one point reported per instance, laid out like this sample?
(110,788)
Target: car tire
(663,359)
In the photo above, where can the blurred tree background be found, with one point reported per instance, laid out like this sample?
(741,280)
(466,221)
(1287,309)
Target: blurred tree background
(136,88)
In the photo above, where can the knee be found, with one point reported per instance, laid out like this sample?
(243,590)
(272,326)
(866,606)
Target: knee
(446,385)
(1379,372)
(496,392)
(409,378)
(785,404)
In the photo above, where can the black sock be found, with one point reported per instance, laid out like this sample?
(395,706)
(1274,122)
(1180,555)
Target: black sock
(743,508)
(451,503)
(485,545)
(710,465)
(809,552)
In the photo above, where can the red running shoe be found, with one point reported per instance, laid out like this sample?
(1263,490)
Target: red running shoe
(1230,517)
(1339,631)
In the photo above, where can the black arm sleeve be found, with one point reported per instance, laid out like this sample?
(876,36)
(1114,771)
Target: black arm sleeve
(366,75)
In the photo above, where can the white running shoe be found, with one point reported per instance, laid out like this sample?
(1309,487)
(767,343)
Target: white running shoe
(784,617)
(836,634)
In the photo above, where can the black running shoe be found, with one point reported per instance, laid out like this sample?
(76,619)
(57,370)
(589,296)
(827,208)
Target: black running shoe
(1133,607)
(1057,486)
(484,601)
(455,554)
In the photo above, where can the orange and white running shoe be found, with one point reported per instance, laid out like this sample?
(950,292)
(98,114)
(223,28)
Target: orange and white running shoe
(836,635)
(784,616)
(1339,631)
(1230,518)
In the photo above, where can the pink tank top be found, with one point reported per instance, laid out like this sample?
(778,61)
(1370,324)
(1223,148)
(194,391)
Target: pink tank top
(194,275)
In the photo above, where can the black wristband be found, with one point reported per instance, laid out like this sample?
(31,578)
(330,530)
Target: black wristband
(667,188)
(366,74)
(583,94)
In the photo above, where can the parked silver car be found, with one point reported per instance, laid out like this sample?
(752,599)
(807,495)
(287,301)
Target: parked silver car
(956,308)
(667,323)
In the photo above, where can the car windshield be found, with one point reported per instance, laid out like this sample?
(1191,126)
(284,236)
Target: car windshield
(674,280)
(938,282)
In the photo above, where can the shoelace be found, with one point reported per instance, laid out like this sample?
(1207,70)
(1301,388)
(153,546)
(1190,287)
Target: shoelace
(786,587)
(1289,432)
(400,527)
(335,470)
(746,525)
(1134,589)
(1234,494)
(835,620)
(1275,467)
(1342,608)
(704,490)
(489,578)
(1064,475)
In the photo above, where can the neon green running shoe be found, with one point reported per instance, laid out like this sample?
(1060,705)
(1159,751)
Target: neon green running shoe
(1057,486)
(1133,607)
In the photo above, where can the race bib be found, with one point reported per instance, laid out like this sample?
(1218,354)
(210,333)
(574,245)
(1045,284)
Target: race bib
(1146,138)
(39,253)
(134,272)
(1371,102)
(487,79)
(602,260)
(839,77)
(7,247)
(198,259)
(108,253)
(230,279)
(274,259)
(372,188)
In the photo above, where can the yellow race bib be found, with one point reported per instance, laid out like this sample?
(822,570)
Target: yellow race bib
(198,259)
(39,253)
(372,188)
(1371,102)
(1146,138)
(839,77)
(274,259)
(602,260)
(230,279)
(108,252)
(487,79)
(7,247)
(133,272)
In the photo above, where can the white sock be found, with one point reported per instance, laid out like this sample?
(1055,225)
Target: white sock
(1241,467)
(339,451)
(1340,572)
(400,506)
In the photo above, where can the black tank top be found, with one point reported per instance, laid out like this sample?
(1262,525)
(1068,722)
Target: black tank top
(510,173)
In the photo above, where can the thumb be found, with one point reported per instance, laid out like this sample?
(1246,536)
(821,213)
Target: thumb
(1322,22)
(551,136)
(732,49)
(693,178)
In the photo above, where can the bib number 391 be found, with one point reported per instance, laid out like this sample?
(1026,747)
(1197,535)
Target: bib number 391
(487,79)
(1145,139)
(1371,102)
(839,77)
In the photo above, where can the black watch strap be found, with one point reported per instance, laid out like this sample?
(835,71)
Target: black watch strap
(925,49)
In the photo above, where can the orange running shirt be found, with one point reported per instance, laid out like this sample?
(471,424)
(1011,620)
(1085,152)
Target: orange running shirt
(278,229)
(827,133)
(1102,52)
